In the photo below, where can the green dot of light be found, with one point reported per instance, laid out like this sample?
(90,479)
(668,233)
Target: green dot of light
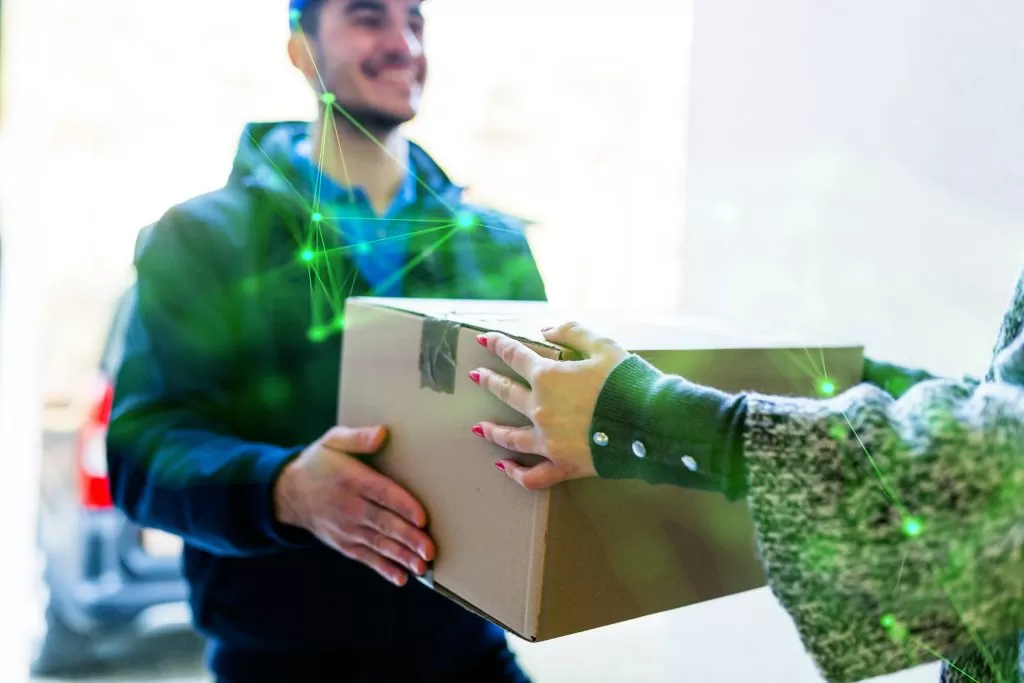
(317,334)
(338,322)
(826,387)
(912,526)
(328,98)
(307,255)
(250,285)
(839,432)
(887,621)
(898,632)
(316,217)
(465,219)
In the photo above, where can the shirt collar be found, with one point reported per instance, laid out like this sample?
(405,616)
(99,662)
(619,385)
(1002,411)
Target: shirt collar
(332,190)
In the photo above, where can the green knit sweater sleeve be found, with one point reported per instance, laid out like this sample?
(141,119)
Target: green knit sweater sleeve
(890,519)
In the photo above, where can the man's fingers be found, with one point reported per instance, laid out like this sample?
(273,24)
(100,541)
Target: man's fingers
(578,338)
(383,566)
(512,393)
(383,521)
(377,488)
(540,476)
(518,439)
(513,353)
(388,548)
(363,441)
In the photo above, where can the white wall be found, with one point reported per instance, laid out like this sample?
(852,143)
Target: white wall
(858,167)
(569,114)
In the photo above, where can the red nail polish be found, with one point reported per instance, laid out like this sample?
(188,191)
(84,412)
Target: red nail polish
(482,341)
(475,376)
(500,466)
(478,430)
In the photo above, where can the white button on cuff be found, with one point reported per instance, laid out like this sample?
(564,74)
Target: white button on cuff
(639,450)
(600,438)
(689,463)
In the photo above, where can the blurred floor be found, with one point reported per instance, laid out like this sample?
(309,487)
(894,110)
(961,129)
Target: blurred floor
(746,638)
(167,659)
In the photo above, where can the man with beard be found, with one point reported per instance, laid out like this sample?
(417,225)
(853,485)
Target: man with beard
(301,557)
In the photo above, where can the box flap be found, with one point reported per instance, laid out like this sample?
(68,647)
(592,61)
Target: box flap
(525,320)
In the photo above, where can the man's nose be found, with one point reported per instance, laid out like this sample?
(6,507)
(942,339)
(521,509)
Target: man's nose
(402,43)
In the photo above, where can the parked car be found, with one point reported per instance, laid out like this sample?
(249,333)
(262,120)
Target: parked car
(103,582)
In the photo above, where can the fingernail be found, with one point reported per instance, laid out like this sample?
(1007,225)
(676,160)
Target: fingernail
(500,466)
(482,341)
(547,329)
(475,376)
(478,430)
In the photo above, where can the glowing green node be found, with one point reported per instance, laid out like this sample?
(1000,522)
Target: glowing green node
(912,526)
(363,248)
(317,334)
(339,322)
(887,621)
(464,219)
(328,98)
(316,217)
(250,285)
(898,632)
(307,255)
(838,432)
(826,387)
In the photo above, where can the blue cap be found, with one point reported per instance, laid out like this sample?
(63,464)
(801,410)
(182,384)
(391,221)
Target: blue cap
(295,10)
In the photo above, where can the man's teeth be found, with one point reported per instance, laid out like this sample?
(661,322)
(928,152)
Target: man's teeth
(397,76)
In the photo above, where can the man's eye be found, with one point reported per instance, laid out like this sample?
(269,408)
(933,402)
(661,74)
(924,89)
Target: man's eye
(370,19)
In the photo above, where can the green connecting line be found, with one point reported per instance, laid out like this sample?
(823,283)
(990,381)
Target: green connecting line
(314,255)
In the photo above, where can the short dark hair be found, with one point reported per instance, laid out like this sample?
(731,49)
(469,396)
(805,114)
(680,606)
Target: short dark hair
(309,22)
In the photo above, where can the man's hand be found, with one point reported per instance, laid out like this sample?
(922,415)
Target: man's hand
(353,508)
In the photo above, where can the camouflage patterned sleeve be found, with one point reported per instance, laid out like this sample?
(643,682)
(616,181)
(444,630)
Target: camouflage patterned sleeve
(892,529)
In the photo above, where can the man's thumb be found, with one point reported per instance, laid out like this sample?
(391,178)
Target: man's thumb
(362,440)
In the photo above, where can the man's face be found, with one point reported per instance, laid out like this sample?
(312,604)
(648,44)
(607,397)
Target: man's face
(369,54)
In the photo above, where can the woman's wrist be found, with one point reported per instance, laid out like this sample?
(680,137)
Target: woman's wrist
(664,429)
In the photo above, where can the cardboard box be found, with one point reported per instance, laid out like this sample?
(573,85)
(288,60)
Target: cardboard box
(580,555)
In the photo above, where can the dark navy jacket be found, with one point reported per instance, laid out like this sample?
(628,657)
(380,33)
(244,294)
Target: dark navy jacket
(230,369)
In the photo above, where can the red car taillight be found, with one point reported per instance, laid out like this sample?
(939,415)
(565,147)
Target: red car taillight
(91,450)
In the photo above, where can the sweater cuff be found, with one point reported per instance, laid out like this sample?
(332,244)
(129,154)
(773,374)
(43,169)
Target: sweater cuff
(664,429)
(267,469)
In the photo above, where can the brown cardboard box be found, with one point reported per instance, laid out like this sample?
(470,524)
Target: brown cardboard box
(584,554)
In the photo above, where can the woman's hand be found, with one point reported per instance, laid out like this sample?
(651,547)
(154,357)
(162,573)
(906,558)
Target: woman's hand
(559,401)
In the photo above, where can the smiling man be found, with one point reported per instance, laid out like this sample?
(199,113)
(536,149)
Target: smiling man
(299,555)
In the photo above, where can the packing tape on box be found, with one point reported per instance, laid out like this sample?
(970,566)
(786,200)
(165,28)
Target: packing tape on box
(439,344)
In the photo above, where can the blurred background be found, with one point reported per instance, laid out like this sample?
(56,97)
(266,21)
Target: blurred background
(797,165)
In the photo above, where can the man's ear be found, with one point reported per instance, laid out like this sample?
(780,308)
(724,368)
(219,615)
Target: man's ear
(300,53)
